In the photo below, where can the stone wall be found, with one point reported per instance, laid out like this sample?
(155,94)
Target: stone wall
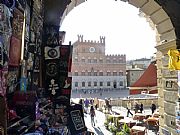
(145,101)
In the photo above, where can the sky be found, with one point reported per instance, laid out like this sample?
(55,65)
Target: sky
(125,32)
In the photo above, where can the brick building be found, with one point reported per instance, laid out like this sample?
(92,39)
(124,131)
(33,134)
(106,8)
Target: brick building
(93,70)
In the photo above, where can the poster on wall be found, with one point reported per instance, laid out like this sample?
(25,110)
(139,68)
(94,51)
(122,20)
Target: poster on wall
(178,106)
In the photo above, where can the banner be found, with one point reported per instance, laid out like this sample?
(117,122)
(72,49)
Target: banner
(17,23)
(52,52)
(52,68)
(53,87)
(15,51)
(52,35)
(174,59)
(65,59)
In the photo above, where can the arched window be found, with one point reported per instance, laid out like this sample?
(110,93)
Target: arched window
(76,73)
(83,84)
(76,84)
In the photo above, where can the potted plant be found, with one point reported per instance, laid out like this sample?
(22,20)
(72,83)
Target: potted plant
(106,124)
(125,130)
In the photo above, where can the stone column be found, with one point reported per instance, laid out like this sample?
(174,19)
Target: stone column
(167,89)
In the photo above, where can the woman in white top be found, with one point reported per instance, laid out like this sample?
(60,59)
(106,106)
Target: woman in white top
(129,108)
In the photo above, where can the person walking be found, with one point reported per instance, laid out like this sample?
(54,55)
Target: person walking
(141,108)
(86,105)
(92,114)
(153,107)
(129,108)
(136,107)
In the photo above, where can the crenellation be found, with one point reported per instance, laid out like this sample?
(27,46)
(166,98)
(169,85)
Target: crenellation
(80,38)
(102,39)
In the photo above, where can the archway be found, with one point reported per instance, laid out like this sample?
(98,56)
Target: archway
(165,16)
(167,38)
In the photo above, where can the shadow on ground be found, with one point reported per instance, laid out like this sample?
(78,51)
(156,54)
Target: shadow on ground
(98,131)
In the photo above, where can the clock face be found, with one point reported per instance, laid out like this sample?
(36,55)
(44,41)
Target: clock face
(92,49)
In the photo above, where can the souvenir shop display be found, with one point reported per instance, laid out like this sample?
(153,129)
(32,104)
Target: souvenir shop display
(22,104)
(5,25)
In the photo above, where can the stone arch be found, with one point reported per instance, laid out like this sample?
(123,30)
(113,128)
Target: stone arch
(163,16)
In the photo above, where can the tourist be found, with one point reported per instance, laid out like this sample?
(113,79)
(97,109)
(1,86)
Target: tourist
(86,105)
(129,108)
(153,107)
(92,114)
(136,107)
(141,108)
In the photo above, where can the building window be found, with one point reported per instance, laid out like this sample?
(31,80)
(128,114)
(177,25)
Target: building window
(76,84)
(89,73)
(95,83)
(89,60)
(114,61)
(120,61)
(83,50)
(83,84)
(83,73)
(121,83)
(95,60)
(76,60)
(95,73)
(108,83)
(120,73)
(76,73)
(101,84)
(83,60)
(100,61)
(100,73)
(89,84)
(108,61)
(114,73)
(114,84)
(108,73)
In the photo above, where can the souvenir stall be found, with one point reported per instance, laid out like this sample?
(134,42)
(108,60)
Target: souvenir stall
(34,98)
(20,42)
(58,117)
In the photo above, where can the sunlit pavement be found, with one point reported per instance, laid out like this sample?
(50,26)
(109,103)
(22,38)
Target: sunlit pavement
(99,128)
